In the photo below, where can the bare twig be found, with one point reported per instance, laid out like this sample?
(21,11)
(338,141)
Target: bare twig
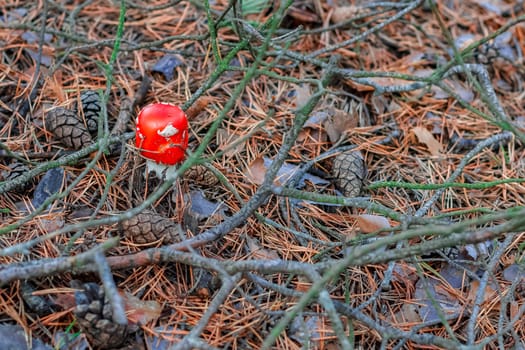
(110,289)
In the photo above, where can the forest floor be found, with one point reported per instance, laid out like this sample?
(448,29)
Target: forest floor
(353,179)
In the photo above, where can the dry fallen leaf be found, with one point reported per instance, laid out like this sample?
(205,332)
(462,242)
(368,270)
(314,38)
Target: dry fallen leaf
(50,225)
(405,273)
(15,337)
(512,272)
(464,93)
(338,122)
(407,314)
(371,223)
(311,135)
(257,171)
(488,294)
(426,137)
(258,252)
(64,300)
(140,311)
(433,299)
(317,118)
(303,94)
(454,275)
(167,64)
(344,13)
(514,309)
(50,184)
(203,207)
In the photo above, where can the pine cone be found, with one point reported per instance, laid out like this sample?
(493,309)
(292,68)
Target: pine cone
(39,304)
(200,175)
(95,317)
(90,109)
(67,128)
(15,170)
(148,227)
(349,171)
(486,54)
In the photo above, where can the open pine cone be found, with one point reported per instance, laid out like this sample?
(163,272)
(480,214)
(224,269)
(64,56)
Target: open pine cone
(15,171)
(201,176)
(90,109)
(95,317)
(148,227)
(349,172)
(67,128)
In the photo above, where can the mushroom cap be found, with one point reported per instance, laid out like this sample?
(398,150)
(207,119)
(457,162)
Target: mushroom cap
(162,133)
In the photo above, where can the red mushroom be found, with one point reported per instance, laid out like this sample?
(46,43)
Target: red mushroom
(162,135)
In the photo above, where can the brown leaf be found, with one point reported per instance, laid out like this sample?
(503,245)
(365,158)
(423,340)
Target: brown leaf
(302,96)
(257,171)
(404,273)
(338,122)
(514,309)
(258,252)
(371,223)
(426,137)
(311,135)
(317,118)
(433,298)
(386,81)
(463,92)
(140,311)
(64,300)
(50,225)
(488,294)
(344,13)
(303,15)
(407,314)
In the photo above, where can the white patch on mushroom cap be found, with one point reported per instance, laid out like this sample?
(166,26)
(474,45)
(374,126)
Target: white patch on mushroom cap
(140,134)
(168,131)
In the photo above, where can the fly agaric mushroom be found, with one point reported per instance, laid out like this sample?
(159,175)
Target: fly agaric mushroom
(162,136)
